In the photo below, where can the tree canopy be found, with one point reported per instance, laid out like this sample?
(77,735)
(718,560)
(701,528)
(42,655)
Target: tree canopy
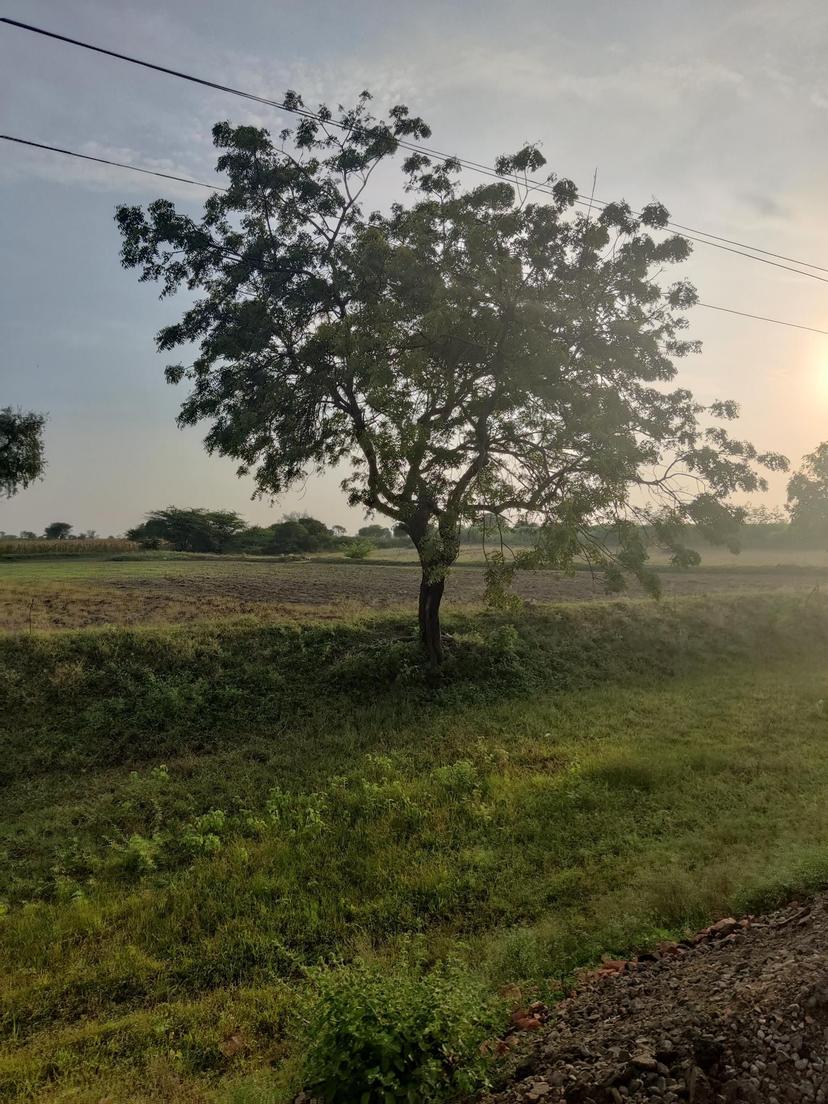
(57,530)
(297,534)
(808,494)
(490,350)
(190,529)
(21,449)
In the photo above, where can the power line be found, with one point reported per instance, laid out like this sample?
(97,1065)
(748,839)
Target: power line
(763,318)
(755,248)
(106,161)
(217,187)
(717,241)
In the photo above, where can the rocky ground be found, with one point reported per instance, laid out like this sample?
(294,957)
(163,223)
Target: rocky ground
(737,1014)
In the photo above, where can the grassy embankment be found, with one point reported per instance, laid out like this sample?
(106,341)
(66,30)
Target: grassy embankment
(193,818)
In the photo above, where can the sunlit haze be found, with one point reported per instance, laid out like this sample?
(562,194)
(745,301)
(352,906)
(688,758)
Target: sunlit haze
(718,110)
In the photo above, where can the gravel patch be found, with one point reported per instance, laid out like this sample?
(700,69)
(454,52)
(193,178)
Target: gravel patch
(738,1015)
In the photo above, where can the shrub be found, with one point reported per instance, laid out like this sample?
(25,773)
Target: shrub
(138,857)
(402,1034)
(358,549)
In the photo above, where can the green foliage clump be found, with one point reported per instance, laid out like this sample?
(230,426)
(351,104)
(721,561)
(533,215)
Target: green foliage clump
(57,530)
(808,495)
(138,857)
(296,812)
(358,549)
(204,835)
(21,449)
(408,1033)
(296,534)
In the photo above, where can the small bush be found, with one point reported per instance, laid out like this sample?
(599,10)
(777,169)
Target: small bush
(204,835)
(138,857)
(358,549)
(405,1034)
(458,780)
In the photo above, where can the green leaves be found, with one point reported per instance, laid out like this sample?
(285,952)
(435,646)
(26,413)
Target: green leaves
(407,1033)
(808,494)
(21,449)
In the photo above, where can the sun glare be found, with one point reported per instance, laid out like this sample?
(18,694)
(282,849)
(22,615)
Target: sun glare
(821,375)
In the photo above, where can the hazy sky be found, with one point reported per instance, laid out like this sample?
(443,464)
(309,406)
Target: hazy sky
(719,109)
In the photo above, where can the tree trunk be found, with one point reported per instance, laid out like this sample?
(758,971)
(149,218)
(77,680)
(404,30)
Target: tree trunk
(431,594)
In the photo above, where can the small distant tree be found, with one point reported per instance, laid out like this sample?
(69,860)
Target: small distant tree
(375,533)
(481,351)
(21,449)
(190,529)
(299,533)
(27,534)
(58,530)
(808,495)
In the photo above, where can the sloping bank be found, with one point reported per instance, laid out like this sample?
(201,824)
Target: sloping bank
(239,859)
(71,699)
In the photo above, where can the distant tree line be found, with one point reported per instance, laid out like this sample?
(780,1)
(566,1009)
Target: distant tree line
(55,530)
(193,529)
(803,523)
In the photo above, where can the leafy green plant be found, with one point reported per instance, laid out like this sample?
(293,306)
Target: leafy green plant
(405,1034)
(204,835)
(358,549)
(297,812)
(138,857)
(458,780)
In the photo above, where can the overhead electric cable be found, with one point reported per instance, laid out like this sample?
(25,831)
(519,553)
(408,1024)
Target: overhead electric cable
(106,161)
(715,242)
(763,318)
(218,187)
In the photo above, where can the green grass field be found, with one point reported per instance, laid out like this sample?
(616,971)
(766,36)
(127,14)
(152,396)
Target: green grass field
(193,819)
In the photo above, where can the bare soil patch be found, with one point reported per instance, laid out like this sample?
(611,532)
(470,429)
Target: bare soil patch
(383,586)
(199,592)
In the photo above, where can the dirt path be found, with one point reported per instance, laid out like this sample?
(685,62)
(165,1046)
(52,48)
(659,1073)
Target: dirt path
(739,1015)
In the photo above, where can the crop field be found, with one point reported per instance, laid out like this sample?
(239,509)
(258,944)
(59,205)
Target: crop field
(77,593)
(75,547)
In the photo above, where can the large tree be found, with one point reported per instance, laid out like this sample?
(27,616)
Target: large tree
(485,351)
(21,449)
